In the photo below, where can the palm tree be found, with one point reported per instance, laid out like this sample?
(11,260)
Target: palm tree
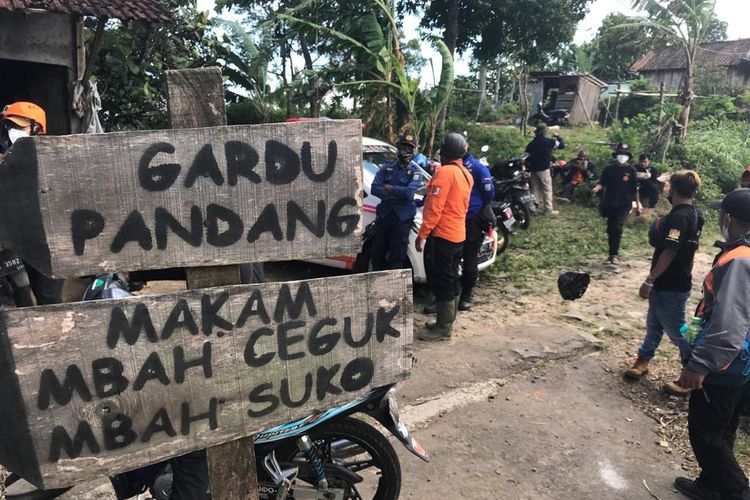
(684,23)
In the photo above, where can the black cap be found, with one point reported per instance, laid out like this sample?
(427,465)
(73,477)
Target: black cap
(622,149)
(736,204)
(409,139)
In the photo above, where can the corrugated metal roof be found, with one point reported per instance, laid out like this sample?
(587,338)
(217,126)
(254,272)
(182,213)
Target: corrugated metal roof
(127,10)
(712,54)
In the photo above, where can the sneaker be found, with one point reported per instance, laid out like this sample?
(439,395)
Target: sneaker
(675,389)
(697,490)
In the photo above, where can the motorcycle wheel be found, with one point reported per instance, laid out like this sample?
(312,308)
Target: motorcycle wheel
(374,459)
(522,214)
(503,238)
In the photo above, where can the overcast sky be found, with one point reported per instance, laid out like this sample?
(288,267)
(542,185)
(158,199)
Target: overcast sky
(734,12)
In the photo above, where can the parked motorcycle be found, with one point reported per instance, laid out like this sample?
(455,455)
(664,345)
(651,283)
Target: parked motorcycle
(326,456)
(512,186)
(15,289)
(505,224)
(551,117)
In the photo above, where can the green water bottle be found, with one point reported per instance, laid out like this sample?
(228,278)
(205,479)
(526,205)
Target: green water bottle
(691,330)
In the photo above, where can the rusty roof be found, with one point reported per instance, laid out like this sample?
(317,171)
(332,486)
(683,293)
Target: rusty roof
(128,10)
(711,54)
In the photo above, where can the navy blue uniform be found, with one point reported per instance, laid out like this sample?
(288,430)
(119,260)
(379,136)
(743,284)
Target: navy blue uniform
(395,213)
(482,193)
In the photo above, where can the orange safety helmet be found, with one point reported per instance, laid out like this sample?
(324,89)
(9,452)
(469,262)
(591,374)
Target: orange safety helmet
(26,114)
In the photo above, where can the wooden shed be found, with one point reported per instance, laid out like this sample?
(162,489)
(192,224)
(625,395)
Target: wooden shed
(42,51)
(577,94)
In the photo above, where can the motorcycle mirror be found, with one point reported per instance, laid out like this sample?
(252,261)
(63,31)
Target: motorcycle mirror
(485,148)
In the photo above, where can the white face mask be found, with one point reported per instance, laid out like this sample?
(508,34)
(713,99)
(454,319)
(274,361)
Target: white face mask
(622,159)
(14,134)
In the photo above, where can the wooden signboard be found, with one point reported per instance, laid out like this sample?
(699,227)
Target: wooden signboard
(85,204)
(101,387)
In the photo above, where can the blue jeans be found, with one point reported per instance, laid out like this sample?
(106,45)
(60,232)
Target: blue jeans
(666,313)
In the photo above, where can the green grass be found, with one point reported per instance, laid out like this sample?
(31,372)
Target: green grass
(569,241)
(575,238)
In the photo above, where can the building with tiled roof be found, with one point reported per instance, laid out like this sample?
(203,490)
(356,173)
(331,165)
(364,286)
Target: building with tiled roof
(669,64)
(42,49)
(127,10)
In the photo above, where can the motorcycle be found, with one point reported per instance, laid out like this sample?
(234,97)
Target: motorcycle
(551,117)
(505,224)
(15,288)
(512,186)
(330,455)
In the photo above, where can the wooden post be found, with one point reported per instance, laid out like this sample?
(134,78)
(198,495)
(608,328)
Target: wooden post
(661,102)
(617,102)
(196,99)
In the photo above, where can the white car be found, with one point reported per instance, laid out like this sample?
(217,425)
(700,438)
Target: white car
(374,153)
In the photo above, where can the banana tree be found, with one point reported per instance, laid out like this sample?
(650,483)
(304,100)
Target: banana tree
(685,23)
(247,66)
(382,56)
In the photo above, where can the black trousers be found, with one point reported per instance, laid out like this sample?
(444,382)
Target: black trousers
(190,477)
(441,260)
(470,254)
(615,227)
(46,290)
(712,425)
(390,243)
(649,193)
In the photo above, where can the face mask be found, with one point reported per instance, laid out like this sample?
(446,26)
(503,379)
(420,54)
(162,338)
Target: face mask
(14,134)
(622,159)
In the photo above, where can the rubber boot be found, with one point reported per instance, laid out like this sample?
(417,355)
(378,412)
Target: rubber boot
(442,328)
(638,370)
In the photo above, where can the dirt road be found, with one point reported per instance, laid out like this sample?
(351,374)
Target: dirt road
(527,401)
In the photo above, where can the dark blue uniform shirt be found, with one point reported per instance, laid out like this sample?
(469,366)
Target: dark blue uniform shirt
(483,191)
(405,181)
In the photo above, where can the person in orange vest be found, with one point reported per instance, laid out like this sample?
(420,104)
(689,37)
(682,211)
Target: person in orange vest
(443,232)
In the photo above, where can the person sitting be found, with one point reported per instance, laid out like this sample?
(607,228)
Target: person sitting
(649,186)
(578,170)
(745,178)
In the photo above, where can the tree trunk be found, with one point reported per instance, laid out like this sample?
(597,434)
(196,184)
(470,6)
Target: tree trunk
(497,83)
(523,94)
(450,37)
(482,89)
(285,54)
(388,115)
(687,100)
(312,78)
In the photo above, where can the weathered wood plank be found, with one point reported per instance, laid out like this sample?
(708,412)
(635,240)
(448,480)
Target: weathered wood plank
(232,472)
(106,386)
(85,204)
(227,468)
